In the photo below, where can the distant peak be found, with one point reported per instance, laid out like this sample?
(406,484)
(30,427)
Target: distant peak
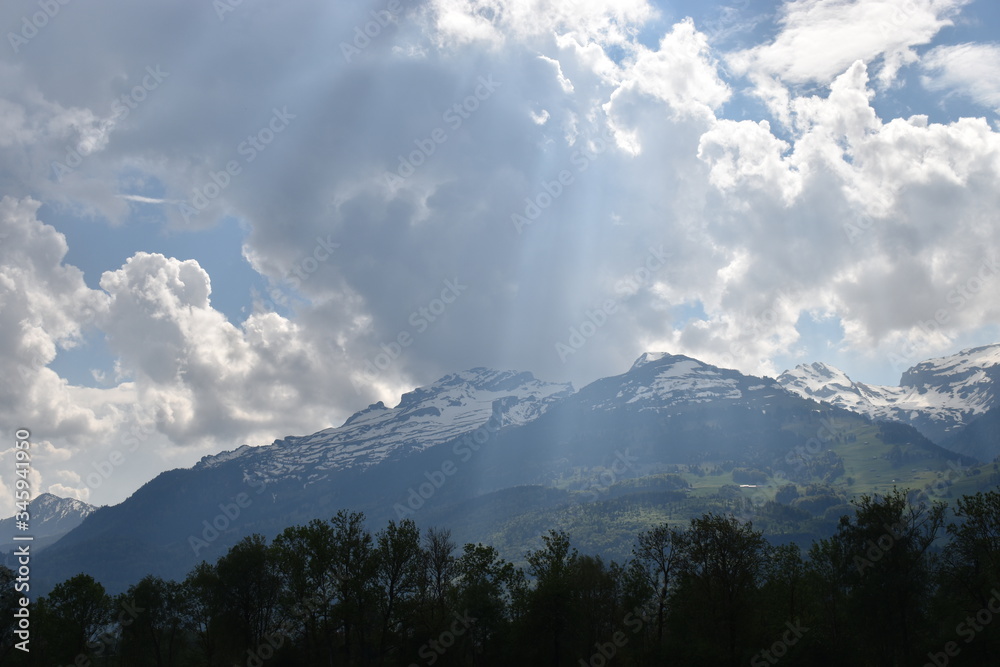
(481,377)
(477,379)
(374,407)
(824,369)
(656,357)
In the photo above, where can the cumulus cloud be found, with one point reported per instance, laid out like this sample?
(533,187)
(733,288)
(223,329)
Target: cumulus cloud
(497,21)
(891,216)
(207,378)
(46,306)
(477,180)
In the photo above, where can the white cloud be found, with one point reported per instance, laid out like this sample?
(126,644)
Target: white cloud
(45,306)
(819,39)
(680,72)
(747,153)
(893,216)
(207,377)
(825,208)
(496,21)
(971,70)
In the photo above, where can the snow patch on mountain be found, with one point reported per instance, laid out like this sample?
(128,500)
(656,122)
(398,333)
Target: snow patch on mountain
(937,396)
(427,416)
(49,516)
(660,380)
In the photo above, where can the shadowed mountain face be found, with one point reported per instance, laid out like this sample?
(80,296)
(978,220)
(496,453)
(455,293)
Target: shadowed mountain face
(980,439)
(473,451)
(938,397)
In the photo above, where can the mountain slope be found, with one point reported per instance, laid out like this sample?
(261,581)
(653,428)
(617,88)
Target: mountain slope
(185,515)
(938,397)
(51,517)
(493,454)
(425,417)
(980,439)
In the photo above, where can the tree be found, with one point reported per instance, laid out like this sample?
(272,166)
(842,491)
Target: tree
(251,583)
(156,634)
(969,574)
(786,494)
(884,568)
(549,603)
(8,606)
(354,565)
(657,555)
(305,555)
(439,565)
(399,561)
(596,600)
(486,589)
(204,609)
(971,562)
(73,619)
(721,570)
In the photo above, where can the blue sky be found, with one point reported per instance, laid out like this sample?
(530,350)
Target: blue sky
(215,224)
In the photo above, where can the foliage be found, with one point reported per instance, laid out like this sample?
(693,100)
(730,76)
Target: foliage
(711,591)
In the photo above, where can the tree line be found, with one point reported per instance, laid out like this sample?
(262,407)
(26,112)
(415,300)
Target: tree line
(900,582)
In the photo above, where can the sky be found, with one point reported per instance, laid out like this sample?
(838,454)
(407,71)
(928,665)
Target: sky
(226,222)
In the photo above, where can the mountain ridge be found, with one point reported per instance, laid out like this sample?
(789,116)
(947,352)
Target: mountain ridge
(50,517)
(689,434)
(938,397)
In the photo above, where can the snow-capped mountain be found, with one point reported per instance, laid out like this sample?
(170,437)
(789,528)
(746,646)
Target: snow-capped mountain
(938,396)
(431,454)
(50,517)
(456,404)
(660,381)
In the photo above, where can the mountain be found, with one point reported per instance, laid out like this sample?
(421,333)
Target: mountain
(184,515)
(51,517)
(938,397)
(500,457)
(425,417)
(980,439)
